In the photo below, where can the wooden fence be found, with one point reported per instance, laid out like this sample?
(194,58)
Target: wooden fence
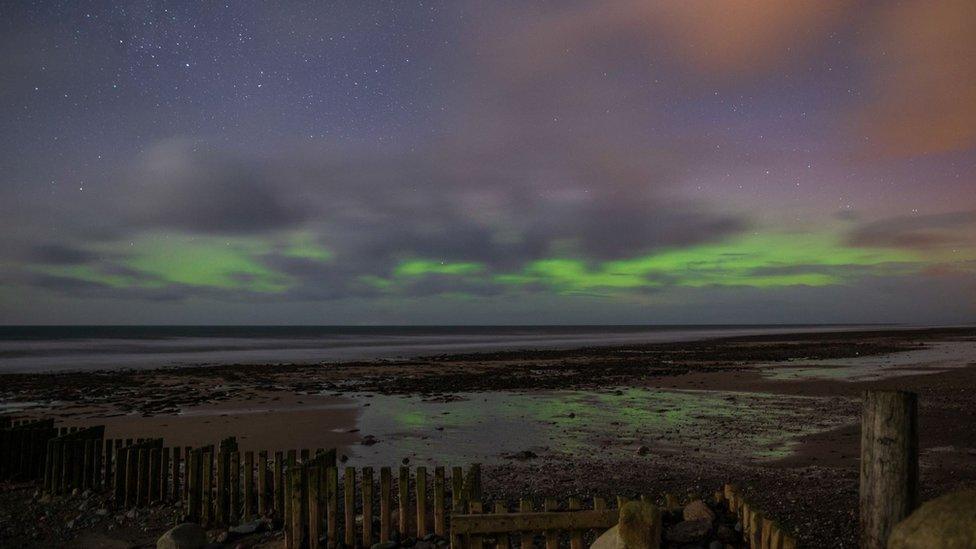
(758,530)
(22,444)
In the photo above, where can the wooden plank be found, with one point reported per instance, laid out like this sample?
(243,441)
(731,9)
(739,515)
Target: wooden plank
(386,481)
(223,486)
(142,490)
(234,505)
(164,475)
(525,536)
(131,477)
(575,536)
(206,489)
(293,515)
(552,536)
(349,501)
(420,484)
(367,489)
(155,461)
(248,504)
(439,520)
(538,521)
(186,488)
(457,490)
(278,491)
(263,502)
(475,540)
(502,538)
(315,508)
(889,469)
(118,475)
(175,474)
(332,506)
(88,464)
(193,471)
(403,500)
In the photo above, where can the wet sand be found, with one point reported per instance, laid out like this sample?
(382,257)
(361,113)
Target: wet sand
(778,414)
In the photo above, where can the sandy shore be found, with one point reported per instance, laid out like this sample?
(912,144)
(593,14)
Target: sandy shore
(776,413)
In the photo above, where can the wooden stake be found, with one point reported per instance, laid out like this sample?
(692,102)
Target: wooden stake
(576,536)
(314,506)
(403,496)
(367,488)
(332,485)
(386,480)
(193,473)
(263,506)
(278,489)
(525,506)
(248,486)
(235,487)
(889,464)
(552,537)
(439,523)
(421,489)
(501,541)
(349,500)
(155,458)
(164,475)
(206,490)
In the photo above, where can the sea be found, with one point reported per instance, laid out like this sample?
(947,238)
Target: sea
(25,349)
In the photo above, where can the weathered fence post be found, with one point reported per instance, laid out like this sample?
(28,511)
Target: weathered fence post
(889,464)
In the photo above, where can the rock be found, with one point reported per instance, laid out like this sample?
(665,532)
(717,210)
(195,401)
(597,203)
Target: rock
(643,450)
(248,527)
(188,535)
(689,531)
(715,545)
(385,545)
(948,521)
(698,510)
(523,455)
(633,530)
(369,440)
(101,512)
(724,533)
(131,514)
(222,537)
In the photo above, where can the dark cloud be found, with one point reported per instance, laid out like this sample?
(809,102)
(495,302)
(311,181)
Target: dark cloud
(59,254)
(918,231)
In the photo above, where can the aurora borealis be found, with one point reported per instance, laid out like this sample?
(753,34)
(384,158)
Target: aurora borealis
(488,162)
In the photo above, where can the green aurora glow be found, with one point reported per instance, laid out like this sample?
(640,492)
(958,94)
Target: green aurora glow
(756,260)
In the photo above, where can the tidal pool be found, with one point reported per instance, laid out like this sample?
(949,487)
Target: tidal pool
(489,427)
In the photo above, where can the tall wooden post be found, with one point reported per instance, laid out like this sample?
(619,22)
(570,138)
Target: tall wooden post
(889,464)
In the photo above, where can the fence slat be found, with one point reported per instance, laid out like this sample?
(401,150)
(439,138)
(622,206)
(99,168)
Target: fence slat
(349,499)
(234,504)
(164,475)
(278,491)
(576,536)
(552,536)
(439,523)
(421,491)
(333,505)
(386,481)
(206,489)
(403,500)
(314,506)
(501,541)
(248,485)
(367,489)
(263,483)
(155,459)
(525,536)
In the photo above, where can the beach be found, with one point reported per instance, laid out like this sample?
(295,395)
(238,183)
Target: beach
(776,413)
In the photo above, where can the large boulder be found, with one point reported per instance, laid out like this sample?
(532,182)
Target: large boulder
(188,535)
(947,522)
(698,510)
(637,527)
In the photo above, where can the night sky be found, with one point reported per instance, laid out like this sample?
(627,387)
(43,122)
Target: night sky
(487,162)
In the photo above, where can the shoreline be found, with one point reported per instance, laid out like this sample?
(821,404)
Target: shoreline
(776,412)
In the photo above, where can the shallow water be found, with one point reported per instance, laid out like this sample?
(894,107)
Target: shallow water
(487,427)
(933,358)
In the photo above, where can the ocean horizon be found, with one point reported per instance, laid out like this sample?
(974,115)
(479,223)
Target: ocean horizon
(26,349)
